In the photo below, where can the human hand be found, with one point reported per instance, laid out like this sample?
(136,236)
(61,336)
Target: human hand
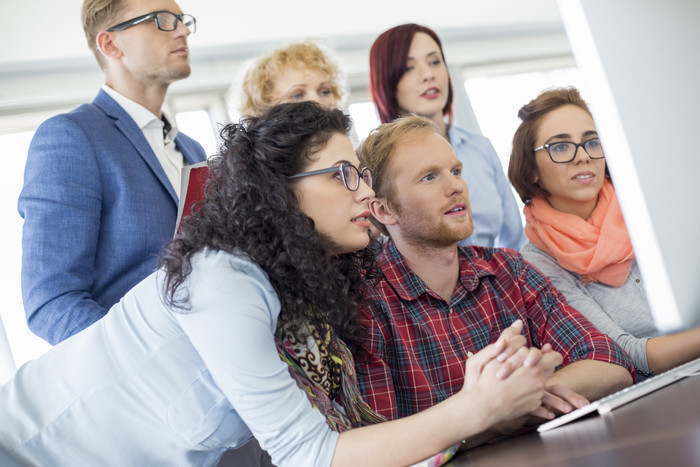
(559,400)
(503,350)
(556,400)
(518,398)
(523,356)
(509,349)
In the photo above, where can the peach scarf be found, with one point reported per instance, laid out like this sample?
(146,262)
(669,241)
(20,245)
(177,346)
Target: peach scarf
(598,250)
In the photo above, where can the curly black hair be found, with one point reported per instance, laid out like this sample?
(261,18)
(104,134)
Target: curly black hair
(250,209)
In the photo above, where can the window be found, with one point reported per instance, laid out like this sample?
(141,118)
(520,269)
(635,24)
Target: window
(23,343)
(496,101)
(197,125)
(364,117)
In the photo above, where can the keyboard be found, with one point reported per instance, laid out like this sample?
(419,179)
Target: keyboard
(611,402)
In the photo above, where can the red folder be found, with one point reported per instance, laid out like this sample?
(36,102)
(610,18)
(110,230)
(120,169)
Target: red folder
(194,180)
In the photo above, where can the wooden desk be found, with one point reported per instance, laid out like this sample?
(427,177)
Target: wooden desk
(660,429)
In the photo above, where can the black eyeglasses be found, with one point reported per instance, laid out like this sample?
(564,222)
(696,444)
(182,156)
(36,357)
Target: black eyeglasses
(165,21)
(347,172)
(565,151)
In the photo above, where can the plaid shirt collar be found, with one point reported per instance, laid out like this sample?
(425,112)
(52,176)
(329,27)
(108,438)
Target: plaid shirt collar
(409,286)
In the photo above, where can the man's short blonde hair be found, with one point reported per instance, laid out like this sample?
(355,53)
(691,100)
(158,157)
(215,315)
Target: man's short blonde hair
(259,81)
(97,15)
(378,149)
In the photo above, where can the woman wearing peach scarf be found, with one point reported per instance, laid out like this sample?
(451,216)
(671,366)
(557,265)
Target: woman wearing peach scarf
(577,236)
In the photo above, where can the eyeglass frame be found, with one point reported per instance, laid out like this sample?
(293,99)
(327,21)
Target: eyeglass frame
(576,145)
(340,168)
(154,15)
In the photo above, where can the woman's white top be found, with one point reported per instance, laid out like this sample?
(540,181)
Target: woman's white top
(149,385)
(495,212)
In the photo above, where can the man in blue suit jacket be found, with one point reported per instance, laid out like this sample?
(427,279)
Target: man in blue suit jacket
(101,183)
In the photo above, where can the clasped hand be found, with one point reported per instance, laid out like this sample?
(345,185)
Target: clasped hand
(516,376)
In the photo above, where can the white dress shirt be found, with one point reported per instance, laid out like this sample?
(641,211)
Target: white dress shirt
(169,156)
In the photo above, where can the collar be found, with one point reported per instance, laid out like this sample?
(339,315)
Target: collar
(473,265)
(457,136)
(140,114)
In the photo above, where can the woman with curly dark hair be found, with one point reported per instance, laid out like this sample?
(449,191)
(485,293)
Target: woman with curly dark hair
(243,330)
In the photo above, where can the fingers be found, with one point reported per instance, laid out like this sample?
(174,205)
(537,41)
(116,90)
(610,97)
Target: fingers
(524,356)
(512,345)
(533,357)
(519,375)
(511,351)
(510,340)
(569,399)
(550,361)
(521,392)
(476,362)
(543,412)
(555,403)
(507,343)
(558,400)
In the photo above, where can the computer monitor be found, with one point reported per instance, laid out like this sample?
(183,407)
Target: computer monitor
(640,60)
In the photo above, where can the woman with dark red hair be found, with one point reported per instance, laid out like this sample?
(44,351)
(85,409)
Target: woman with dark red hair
(409,76)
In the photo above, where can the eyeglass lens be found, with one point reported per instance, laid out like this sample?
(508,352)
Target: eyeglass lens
(351,177)
(565,151)
(367,176)
(167,21)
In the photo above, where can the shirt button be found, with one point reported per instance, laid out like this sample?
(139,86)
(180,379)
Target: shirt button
(637,281)
(450,310)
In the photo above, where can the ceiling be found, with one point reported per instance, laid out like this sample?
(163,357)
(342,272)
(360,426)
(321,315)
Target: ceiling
(46,67)
(55,33)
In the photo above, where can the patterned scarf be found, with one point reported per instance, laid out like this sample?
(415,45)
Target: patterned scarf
(324,369)
(598,250)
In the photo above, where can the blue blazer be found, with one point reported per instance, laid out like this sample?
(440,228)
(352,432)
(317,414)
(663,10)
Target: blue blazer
(98,209)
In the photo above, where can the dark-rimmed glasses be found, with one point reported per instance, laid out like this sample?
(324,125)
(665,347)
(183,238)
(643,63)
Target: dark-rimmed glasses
(565,151)
(347,172)
(165,21)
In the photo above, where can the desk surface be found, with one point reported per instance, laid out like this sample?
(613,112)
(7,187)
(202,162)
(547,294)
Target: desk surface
(660,429)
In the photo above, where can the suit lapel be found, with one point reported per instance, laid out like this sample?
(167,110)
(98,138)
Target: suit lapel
(133,133)
(185,147)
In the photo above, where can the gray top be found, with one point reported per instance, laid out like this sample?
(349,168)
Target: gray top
(622,313)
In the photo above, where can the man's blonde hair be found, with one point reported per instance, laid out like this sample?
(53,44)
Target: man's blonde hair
(259,81)
(96,16)
(378,149)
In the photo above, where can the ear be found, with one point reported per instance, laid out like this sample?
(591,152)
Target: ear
(107,46)
(381,211)
(535,176)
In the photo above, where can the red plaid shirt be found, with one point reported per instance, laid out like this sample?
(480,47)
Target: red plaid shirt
(416,343)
